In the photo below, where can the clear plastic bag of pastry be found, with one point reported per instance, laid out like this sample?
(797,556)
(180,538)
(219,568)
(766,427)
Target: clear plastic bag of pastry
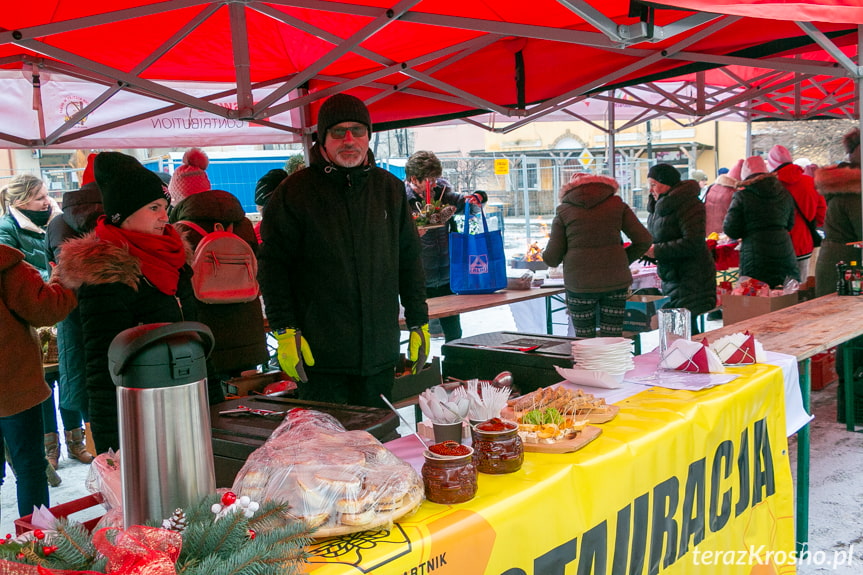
(335,480)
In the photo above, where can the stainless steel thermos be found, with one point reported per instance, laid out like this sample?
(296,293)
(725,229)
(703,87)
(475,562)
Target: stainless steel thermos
(166,452)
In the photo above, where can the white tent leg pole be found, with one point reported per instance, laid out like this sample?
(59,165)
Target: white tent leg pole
(610,163)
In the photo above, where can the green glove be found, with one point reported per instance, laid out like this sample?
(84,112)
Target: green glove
(418,347)
(294,353)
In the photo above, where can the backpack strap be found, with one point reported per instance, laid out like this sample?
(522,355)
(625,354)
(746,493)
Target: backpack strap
(194,226)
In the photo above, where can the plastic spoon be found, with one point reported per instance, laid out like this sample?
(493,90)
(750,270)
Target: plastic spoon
(405,421)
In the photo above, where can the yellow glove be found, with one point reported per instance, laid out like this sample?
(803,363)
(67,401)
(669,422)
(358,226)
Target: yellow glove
(418,347)
(294,353)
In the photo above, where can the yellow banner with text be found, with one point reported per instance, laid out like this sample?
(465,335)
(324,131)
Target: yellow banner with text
(679,482)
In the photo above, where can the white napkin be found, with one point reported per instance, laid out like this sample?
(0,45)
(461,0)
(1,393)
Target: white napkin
(691,356)
(739,349)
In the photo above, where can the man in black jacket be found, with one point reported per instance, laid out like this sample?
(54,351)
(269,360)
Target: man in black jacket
(339,251)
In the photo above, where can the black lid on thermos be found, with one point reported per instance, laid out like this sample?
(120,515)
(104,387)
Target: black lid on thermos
(160,355)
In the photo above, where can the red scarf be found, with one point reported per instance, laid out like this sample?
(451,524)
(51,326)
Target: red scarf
(161,257)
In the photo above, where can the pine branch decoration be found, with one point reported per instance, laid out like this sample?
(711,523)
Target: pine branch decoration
(276,544)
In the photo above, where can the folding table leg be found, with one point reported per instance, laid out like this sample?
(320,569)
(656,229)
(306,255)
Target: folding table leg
(802,523)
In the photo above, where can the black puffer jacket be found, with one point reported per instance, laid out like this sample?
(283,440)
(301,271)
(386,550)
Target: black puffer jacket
(81,209)
(761,215)
(840,186)
(113,296)
(676,221)
(435,243)
(238,328)
(339,250)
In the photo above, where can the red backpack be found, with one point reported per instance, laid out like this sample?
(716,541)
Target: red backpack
(225,267)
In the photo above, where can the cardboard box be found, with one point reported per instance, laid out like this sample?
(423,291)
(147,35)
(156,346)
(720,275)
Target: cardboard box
(641,312)
(66,510)
(737,308)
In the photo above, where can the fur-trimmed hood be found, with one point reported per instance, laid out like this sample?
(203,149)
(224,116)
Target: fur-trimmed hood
(837,180)
(726,180)
(90,260)
(588,190)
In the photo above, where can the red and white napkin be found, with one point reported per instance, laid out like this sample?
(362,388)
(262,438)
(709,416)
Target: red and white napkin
(739,349)
(691,356)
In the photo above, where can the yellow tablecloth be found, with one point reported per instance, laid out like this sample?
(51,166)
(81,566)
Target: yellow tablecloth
(679,482)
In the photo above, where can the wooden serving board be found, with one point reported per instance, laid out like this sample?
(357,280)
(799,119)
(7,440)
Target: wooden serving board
(588,434)
(611,413)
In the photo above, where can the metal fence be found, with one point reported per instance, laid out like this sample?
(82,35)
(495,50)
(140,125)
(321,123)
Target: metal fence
(530,185)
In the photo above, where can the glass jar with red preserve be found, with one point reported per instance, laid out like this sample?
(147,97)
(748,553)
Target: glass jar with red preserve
(449,474)
(497,448)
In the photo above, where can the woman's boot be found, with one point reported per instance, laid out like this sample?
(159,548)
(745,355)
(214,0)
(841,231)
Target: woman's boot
(52,449)
(53,479)
(75,447)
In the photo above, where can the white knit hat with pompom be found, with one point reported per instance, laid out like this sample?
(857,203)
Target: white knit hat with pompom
(190,178)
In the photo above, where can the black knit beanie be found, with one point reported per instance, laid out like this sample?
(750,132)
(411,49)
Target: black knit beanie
(664,174)
(341,108)
(126,185)
(267,184)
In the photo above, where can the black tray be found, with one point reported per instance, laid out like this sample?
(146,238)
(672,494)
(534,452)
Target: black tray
(236,436)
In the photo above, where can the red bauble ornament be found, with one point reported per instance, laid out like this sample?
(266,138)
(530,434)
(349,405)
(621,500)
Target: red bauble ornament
(252,534)
(8,536)
(49,549)
(20,556)
(39,534)
(229,498)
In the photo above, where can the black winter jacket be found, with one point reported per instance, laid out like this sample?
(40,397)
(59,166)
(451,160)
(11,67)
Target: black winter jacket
(339,249)
(761,215)
(113,296)
(238,328)
(677,222)
(81,210)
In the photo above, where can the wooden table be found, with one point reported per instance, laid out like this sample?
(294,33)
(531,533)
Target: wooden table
(804,330)
(448,305)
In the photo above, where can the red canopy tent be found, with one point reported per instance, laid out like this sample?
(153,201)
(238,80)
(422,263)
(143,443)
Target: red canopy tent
(136,73)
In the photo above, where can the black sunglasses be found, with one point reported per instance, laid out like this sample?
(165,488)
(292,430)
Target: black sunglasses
(340,133)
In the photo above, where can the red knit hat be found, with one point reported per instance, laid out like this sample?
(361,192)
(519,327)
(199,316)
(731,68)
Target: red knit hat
(190,178)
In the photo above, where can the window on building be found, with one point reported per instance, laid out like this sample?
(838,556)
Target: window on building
(527,175)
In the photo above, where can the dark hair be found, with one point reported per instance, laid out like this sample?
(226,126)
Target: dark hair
(422,165)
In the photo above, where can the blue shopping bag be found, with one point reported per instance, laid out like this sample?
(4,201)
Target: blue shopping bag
(477,263)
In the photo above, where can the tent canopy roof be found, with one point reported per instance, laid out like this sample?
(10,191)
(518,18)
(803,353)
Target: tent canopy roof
(130,73)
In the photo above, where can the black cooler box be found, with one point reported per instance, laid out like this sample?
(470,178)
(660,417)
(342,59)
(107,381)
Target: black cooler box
(479,357)
(236,436)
